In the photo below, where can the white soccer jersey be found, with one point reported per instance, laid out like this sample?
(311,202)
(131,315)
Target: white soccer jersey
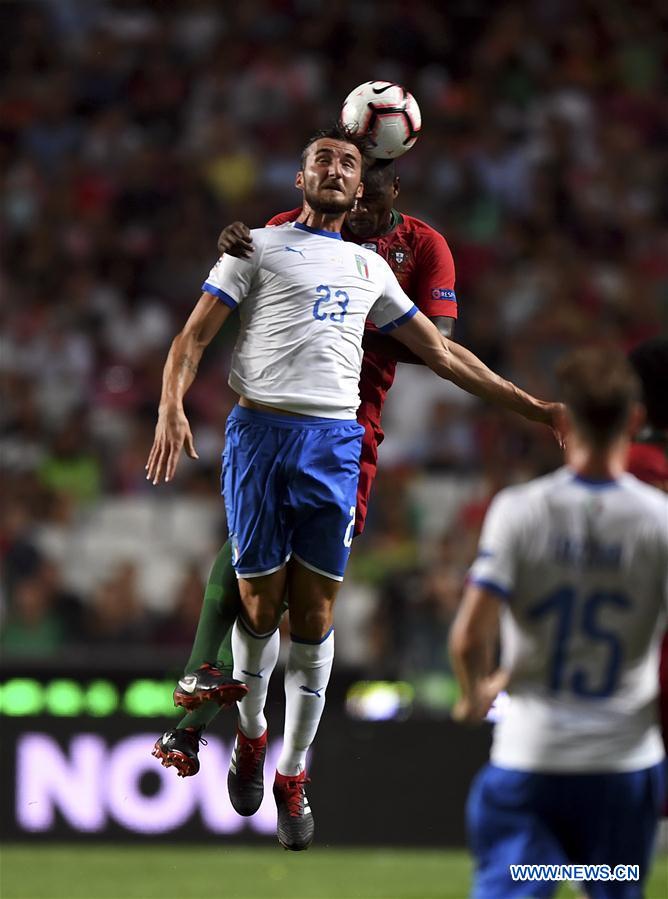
(303,298)
(583,568)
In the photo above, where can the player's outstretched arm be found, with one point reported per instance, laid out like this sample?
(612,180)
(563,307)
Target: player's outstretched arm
(453,362)
(385,345)
(172,431)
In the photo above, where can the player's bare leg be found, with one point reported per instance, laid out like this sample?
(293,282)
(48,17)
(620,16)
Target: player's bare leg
(262,600)
(255,646)
(307,674)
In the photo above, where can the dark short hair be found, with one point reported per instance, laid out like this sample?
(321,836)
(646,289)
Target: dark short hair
(339,132)
(381,172)
(600,388)
(650,361)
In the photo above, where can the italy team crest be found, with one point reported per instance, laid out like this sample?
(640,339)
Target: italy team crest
(362,267)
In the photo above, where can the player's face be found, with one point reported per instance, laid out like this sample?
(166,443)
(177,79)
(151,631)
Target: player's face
(331,178)
(370,216)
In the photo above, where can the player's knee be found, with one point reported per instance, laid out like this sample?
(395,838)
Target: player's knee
(261,613)
(262,602)
(311,623)
(262,618)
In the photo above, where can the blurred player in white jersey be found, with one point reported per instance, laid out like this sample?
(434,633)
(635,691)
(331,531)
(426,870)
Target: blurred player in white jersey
(292,448)
(575,564)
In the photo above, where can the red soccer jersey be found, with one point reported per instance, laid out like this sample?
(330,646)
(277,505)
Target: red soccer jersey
(422,263)
(649,463)
(419,257)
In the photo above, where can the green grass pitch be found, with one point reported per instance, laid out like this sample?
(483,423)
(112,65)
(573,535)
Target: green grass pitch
(180,872)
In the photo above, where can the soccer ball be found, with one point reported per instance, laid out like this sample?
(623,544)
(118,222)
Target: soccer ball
(387,114)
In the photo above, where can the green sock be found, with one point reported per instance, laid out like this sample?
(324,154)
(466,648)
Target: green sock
(214,631)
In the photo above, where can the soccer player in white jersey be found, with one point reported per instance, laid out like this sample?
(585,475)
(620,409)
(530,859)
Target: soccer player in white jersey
(292,448)
(575,564)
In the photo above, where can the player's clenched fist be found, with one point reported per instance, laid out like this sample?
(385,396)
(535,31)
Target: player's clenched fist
(172,433)
(236,240)
(474,704)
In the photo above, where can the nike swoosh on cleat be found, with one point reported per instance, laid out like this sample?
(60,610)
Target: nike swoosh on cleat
(188,683)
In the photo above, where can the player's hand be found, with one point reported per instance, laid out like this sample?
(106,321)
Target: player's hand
(236,240)
(172,434)
(474,708)
(557,423)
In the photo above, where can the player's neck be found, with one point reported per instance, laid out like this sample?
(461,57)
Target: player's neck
(322,221)
(390,223)
(596,464)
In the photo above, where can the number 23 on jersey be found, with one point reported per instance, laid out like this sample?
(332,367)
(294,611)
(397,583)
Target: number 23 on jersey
(330,304)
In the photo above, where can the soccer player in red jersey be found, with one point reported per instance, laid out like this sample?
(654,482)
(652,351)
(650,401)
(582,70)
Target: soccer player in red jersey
(423,265)
(648,461)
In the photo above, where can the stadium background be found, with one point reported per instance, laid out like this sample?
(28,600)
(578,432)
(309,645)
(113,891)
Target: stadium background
(131,133)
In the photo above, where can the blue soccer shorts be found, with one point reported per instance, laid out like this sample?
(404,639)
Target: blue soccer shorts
(520,817)
(290,488)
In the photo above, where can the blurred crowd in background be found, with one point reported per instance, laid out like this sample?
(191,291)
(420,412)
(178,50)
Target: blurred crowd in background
(132,132)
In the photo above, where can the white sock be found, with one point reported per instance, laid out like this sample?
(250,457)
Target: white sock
(255,658)
(306,678)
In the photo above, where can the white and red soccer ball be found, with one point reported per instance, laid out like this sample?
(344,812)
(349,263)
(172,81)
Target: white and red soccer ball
(387,114)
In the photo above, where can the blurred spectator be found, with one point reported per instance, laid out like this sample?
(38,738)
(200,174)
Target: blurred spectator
(33,626)
(71,468)
(178,628)
(20,556)
(117,617)
(42,616)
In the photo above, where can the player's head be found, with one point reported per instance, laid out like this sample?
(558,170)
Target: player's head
(650,361)
(331,170)
(602,394)
(372,212)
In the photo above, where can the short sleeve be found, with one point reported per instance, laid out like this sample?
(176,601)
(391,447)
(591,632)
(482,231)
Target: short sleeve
(435,271)
(495,566)
(230,279)
(393,307)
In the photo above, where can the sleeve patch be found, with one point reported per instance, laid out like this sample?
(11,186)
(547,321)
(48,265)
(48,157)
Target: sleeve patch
(440,293)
